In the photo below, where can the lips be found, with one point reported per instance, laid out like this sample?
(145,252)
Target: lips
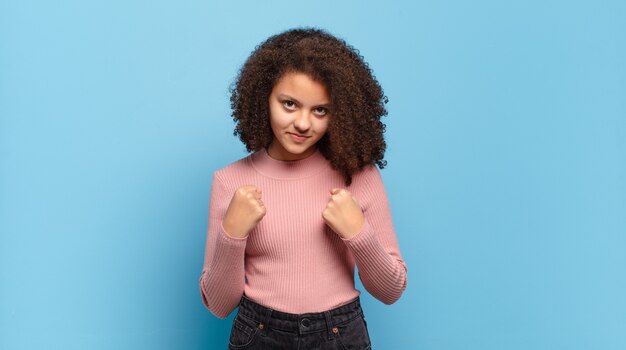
(298,138)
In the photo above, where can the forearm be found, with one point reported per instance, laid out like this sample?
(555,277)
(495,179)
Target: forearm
(383,274)
(222,279)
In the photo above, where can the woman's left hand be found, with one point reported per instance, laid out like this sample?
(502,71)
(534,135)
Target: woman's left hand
(343,213)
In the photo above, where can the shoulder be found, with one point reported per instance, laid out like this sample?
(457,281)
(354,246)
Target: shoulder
(367,185)
(367,176)
(238,168)
(367,182)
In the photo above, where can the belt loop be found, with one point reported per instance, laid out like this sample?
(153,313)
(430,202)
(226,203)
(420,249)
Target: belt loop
(329,324)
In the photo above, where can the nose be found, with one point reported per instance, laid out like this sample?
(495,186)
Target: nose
(302,123)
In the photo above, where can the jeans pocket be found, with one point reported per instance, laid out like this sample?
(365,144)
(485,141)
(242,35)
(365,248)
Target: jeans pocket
(243,332)
(353,335)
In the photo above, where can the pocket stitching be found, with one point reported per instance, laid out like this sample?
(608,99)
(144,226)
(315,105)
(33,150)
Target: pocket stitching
(339,335)
(251,333)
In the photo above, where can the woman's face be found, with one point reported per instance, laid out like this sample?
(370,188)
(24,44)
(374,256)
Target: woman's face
(299,112)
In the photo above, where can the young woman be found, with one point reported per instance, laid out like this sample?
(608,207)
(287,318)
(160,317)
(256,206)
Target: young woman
(288,223)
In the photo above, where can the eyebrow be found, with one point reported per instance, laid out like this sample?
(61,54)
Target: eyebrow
(284,96)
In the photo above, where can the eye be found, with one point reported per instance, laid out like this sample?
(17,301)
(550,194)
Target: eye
(321,110)
(288,104)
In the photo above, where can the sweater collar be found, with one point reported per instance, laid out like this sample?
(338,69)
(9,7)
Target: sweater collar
(288,169)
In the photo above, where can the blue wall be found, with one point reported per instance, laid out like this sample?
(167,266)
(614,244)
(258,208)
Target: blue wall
(506,173)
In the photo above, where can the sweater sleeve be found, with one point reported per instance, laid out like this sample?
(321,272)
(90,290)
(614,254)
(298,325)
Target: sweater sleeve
(222,278)
(375,247)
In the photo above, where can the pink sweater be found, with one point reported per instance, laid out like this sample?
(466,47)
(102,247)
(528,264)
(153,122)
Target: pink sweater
(292,261)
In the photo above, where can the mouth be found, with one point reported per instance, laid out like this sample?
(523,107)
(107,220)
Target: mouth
(297,137)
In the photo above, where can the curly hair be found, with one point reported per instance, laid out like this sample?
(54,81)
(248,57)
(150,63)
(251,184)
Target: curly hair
(354,137)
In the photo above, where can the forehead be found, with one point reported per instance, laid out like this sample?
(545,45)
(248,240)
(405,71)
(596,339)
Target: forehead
(301,87)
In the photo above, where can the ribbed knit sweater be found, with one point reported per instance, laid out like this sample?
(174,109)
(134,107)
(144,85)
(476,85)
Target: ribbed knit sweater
(292,261)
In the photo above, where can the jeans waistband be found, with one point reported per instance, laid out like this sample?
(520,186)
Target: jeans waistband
(300,323)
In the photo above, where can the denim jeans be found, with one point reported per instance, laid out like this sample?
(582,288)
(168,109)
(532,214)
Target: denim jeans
(258,327)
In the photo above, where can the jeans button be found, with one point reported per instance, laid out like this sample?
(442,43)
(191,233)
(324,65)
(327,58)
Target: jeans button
(305,322)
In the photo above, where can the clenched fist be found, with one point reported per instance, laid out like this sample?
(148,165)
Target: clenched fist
(343,213)
(244,211)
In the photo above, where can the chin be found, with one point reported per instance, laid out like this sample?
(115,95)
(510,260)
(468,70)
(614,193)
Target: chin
(296,150)
(293,150)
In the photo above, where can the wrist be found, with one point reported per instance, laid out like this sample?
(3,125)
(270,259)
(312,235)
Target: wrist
(232,230)
(354,230)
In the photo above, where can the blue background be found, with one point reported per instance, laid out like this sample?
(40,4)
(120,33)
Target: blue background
(506,175)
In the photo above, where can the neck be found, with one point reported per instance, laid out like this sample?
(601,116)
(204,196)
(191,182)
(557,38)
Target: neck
(279,153)
(289,169)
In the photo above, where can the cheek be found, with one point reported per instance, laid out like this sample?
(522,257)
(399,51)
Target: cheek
(322,127)
(278,119)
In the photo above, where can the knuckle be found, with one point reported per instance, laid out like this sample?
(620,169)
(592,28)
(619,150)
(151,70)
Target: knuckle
(242,190)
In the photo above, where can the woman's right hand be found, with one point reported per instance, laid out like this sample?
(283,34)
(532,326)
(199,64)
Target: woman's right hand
(244,211)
